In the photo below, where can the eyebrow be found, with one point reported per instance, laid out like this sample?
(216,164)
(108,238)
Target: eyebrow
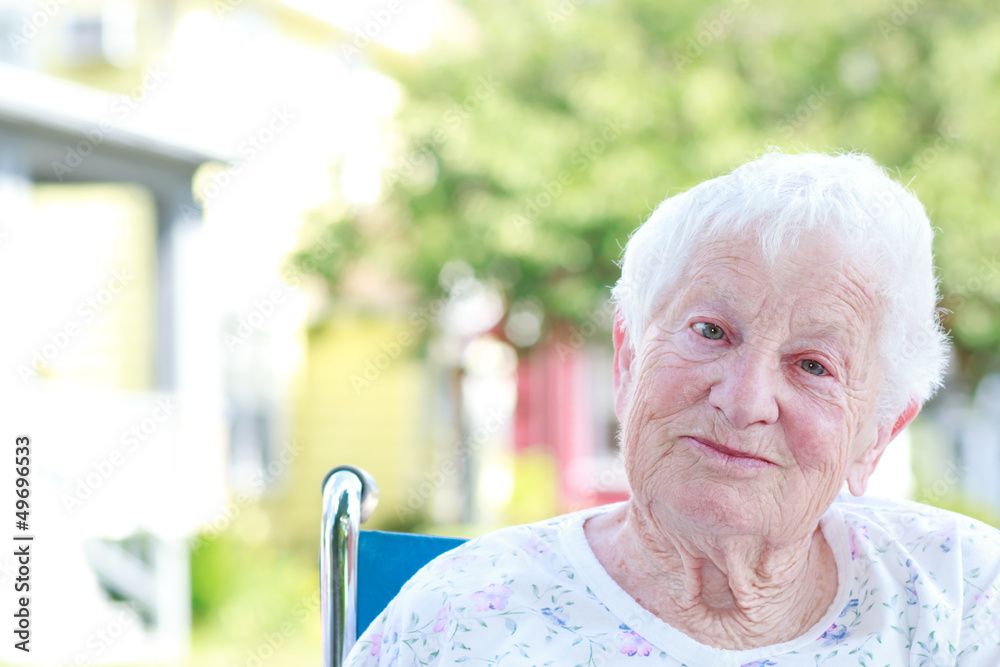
(730,297)
(814,328)
(809,327)
(701,292)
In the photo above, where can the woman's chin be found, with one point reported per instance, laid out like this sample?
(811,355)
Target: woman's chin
(715,508)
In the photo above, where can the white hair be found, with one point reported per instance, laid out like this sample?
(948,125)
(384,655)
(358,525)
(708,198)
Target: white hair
(775,198)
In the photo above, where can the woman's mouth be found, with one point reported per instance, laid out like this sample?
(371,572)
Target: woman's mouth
(725,454)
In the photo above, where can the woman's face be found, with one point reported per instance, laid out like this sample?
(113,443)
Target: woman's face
(752,396)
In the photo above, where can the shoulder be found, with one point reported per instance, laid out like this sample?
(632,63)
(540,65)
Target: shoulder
(922,529)
(936,555)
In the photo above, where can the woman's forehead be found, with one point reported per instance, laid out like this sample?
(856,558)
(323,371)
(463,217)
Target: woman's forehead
(823,290)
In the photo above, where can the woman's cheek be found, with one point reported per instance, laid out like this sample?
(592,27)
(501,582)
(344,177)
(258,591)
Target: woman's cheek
(816,433)
(677,375)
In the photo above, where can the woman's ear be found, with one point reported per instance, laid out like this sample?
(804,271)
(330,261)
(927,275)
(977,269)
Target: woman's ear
(862,468)
(622,366)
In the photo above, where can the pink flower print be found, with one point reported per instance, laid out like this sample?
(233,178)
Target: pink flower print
(834,634)
(454,562)
(858,535)
(533,547)
(376,644)
(632,643)
(493,597)
(444,615)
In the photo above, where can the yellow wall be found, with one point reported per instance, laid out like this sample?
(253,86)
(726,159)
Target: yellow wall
(98,291)
(376,427)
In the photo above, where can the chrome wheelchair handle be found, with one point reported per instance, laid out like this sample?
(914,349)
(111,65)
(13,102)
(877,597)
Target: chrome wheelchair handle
(349,497)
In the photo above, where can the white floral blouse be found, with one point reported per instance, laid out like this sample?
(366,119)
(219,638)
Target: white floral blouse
(917,586)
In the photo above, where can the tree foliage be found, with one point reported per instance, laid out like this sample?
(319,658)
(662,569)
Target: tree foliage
(533,148)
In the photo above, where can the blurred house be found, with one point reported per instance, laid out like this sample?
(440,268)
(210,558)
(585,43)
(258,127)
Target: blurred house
(101,261)
(957,457)
(157,164)
(565,403)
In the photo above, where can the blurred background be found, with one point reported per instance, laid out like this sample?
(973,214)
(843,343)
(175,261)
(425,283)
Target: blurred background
(242,241)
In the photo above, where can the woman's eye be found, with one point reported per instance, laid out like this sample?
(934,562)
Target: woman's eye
(712,331)
(814,367)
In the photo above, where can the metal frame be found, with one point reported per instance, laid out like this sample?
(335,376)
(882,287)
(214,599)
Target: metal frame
(349,497)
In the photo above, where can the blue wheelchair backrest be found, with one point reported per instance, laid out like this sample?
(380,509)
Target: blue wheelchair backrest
(386,561)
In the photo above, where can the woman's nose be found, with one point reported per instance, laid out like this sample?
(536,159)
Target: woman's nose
(745,389)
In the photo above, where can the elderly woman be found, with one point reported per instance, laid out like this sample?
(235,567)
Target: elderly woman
(776,329)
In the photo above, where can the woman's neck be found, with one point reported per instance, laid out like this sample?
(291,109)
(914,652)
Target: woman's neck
(728,592)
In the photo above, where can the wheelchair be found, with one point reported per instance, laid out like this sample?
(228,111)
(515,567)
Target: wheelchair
(361,571)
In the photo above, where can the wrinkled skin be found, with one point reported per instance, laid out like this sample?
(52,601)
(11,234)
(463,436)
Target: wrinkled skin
(749,402)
